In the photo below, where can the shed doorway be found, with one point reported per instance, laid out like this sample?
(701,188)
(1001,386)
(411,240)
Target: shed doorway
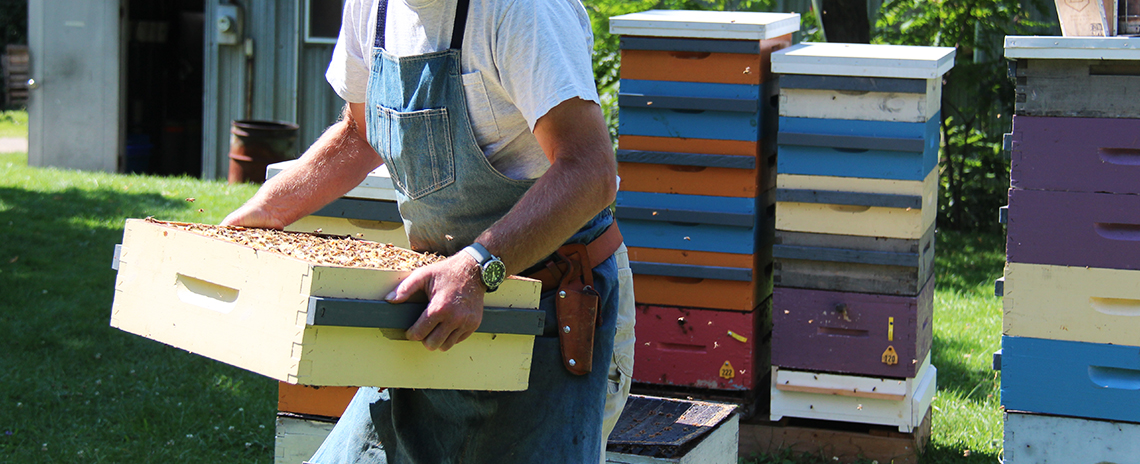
(164,87)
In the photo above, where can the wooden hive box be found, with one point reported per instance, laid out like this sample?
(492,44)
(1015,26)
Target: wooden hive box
(1087,77)
(297,438)
(1076,154)
(697,139)
(855,206)
(701,46)
(852,333)
(852,263)
(1073,303)
(368,211)
(1076,379)
(1073,229)
(856,148)
(848,398)
(699,251)
(1035,439)
(703,348)
(299,322)
(696,222)
(866,98)
(697,110)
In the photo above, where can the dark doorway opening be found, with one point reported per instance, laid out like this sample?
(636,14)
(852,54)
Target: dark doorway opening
(165,50)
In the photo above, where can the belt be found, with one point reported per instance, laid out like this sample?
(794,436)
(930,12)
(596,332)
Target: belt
(597,252)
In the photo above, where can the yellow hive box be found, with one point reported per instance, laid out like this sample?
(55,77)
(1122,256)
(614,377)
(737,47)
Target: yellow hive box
(267,313)
(822,217)
(367,211)
(1079,304)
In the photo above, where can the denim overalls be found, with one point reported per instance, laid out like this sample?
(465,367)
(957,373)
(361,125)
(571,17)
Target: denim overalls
(448,194)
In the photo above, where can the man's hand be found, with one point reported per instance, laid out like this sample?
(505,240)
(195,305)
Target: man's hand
(455,291)
(253,215)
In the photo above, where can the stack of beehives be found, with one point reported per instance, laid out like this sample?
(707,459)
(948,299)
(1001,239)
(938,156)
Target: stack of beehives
(1071,350)
(696,158)
(854,249)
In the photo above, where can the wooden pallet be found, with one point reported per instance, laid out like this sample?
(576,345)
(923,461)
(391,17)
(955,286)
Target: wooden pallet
(838,441)
(15,75)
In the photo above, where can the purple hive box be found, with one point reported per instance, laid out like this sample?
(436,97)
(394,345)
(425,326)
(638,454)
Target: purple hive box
(1076,154)
(849,333)
(1074,229)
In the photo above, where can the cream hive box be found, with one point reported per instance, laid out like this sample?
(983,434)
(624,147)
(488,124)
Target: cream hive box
(368,211)
(301,322)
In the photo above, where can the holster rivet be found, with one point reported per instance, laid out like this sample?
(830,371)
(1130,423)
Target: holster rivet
(562,294)
(573,363)
(566,329)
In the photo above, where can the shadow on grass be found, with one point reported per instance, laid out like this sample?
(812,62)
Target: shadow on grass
(76,390)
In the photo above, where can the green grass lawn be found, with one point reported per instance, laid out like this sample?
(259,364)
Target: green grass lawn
(72,389)
(13,123)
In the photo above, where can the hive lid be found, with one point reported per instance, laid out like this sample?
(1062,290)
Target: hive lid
(864,60)
(740,25)
(377,186)
(1073,48)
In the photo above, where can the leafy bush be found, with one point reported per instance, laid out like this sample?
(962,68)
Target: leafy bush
(977,95)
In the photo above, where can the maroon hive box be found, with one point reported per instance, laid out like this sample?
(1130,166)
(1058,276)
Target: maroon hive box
(1076,154)
(705,348)
(851,333)
(1074,229)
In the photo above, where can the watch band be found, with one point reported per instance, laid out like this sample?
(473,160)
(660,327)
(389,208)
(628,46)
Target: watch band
(479,252)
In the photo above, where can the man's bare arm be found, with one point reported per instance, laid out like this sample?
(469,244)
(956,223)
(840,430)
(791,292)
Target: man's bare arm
(581,182)
(336,163)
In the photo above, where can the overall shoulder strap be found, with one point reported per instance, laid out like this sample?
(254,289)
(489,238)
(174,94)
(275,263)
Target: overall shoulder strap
(460,24)
(456,32)
(381,18)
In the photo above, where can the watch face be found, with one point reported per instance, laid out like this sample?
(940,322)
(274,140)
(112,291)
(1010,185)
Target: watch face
(494,273)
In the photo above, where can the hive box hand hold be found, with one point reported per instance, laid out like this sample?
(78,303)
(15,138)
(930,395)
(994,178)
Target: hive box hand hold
(259,311)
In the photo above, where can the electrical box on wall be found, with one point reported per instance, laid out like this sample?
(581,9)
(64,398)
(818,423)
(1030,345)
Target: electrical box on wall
(229,24)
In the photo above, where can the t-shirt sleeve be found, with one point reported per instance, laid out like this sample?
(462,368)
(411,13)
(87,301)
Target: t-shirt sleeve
(543,52)
(348,69)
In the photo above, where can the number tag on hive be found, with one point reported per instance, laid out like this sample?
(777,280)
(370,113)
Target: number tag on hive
(726,371)
(890,358)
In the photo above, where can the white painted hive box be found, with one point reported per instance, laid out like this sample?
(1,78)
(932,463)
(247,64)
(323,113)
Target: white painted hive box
(735,25)
(251,309)
(864,60)
(849,398)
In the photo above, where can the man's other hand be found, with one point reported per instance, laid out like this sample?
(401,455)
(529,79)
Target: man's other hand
(455,309)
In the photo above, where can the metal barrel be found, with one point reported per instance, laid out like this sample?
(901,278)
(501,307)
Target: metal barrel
(254,145)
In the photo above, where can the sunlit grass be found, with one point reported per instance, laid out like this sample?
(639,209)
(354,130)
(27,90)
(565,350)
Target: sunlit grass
(13,123)
(72,388)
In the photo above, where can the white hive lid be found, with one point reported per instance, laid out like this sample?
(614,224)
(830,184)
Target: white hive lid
(739,25)
(377,186)
(1073,48)
(864,60)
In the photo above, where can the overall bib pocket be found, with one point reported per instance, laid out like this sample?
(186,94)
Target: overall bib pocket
(417,149)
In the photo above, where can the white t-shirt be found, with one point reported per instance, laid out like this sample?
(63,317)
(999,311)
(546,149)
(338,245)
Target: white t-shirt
(520,58)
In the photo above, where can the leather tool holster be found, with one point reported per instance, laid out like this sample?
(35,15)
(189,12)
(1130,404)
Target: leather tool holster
(576,307)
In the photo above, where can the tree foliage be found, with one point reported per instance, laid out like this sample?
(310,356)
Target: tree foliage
(977,95)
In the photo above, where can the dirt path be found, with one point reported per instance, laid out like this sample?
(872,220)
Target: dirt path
(13,144)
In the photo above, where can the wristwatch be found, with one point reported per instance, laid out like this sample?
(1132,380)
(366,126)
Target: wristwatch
(493,270)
